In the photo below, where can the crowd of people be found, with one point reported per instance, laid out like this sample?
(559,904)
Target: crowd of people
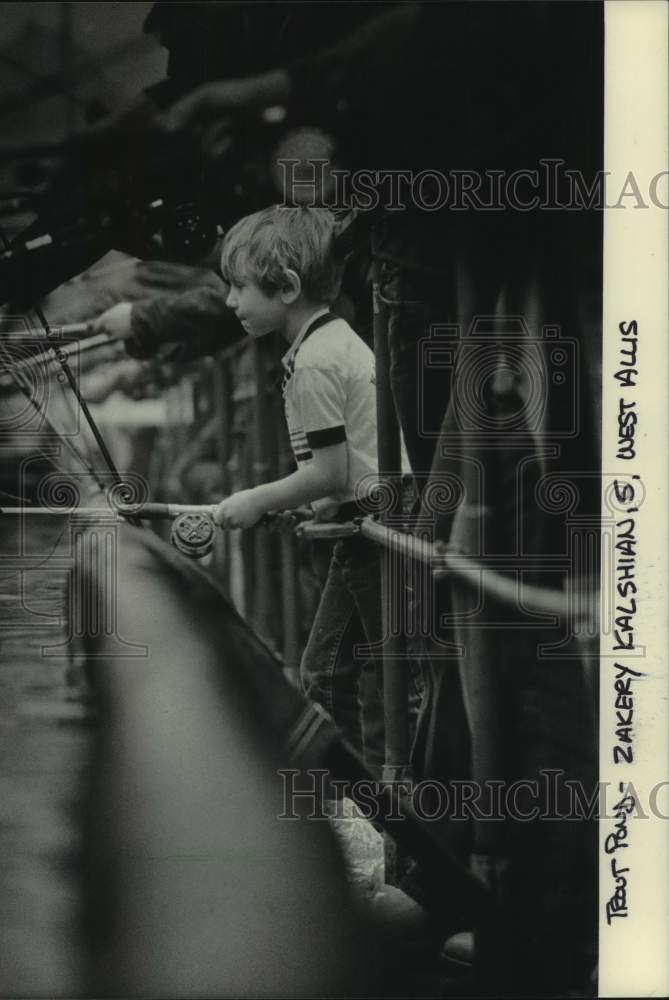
(422,91)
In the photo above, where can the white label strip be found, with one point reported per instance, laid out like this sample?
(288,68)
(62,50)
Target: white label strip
(634,829)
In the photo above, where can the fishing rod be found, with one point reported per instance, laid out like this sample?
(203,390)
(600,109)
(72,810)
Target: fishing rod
(193,529)
(46,359)
(193,533)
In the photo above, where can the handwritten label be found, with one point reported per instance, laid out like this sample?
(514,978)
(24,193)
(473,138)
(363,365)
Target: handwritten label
(616,842)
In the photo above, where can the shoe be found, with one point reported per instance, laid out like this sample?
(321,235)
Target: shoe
(393,910)
(457,953)
(402,922)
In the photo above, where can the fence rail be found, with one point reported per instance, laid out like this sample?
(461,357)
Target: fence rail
(443,562)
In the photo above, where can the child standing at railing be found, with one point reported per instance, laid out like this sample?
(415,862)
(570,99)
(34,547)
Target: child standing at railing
(283,275)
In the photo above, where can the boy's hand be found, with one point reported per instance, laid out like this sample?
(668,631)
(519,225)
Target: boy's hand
(241,510)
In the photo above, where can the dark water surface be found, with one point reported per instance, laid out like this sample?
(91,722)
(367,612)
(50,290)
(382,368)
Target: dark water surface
(44,745)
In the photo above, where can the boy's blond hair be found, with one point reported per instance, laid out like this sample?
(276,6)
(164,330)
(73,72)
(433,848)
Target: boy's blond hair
(262,247)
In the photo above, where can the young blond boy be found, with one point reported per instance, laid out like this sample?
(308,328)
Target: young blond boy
(283,275)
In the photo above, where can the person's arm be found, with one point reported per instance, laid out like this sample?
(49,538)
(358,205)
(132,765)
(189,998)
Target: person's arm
(324,475)
(198,317)
(377,45)
(213,100)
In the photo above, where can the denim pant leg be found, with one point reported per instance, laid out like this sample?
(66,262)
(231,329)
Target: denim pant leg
(361,564)
(416,302)
(337,669)
(329,676)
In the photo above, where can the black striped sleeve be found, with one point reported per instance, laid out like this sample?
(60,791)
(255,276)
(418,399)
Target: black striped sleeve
(326,437)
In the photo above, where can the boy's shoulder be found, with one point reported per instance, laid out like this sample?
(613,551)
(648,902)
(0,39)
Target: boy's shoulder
(336,344)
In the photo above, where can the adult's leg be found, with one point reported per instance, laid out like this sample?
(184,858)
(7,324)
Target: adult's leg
(419,304)
(530,714)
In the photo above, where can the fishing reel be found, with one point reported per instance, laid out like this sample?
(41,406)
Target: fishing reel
(192,531)
(193,534)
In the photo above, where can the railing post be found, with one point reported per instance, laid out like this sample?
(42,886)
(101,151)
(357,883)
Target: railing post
(262,562)
(395,668)
(222,403)
(290,608)
(93,590)
(290,591)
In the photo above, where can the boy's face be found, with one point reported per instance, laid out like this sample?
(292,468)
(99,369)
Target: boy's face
(258,312)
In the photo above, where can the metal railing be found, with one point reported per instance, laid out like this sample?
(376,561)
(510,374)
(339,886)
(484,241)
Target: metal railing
(241,425)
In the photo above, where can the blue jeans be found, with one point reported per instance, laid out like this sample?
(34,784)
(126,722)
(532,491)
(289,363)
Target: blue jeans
(528,715)
(417,302)
(336,670)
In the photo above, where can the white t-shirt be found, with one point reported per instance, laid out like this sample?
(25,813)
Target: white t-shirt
(330,397)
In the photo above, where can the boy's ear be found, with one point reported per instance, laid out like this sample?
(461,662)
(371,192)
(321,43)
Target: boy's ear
(291,288)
